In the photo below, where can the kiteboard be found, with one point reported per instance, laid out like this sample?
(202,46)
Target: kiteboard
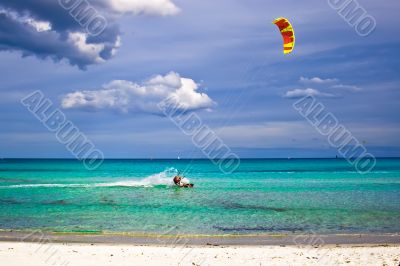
(187,186)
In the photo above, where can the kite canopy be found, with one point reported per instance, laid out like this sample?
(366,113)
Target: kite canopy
(287,33)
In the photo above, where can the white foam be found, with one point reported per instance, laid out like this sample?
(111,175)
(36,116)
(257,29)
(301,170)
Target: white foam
(163,178)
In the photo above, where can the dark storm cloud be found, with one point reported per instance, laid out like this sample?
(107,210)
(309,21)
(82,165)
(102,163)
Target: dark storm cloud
(57,43)
(48,10)
(48,28)
(16,36)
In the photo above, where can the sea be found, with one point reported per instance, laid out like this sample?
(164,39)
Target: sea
(263,196)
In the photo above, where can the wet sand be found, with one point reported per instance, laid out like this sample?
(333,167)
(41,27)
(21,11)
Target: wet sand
(248,240)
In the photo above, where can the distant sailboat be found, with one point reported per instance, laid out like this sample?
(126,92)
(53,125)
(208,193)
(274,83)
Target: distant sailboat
(179,158)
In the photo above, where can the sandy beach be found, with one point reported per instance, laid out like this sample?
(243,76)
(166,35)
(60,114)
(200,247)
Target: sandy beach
(40,248)
(16,254)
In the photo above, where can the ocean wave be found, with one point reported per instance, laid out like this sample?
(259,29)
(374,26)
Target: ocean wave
(163,178)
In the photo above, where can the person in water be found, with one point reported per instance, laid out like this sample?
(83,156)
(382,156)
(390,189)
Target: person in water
(178,180)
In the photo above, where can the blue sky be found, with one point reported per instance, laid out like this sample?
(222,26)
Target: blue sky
(230,49)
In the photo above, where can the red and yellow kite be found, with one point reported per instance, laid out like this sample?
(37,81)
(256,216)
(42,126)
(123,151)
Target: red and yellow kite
(287,33)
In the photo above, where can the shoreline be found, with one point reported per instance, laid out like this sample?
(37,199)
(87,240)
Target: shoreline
(32,236)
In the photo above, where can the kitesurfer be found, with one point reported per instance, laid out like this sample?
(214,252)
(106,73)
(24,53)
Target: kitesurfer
(178,181)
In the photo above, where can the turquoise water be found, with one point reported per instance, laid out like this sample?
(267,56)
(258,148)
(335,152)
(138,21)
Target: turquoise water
(262,196)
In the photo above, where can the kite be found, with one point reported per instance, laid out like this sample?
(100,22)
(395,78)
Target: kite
(287,33)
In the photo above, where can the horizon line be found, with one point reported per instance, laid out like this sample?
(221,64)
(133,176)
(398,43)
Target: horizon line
(195,158)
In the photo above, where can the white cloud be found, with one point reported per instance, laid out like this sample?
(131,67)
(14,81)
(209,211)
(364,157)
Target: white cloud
(148,7)
(38,25)
(346,87)
(331,84)
(299,93)
(317,80)
(127,96)
(90,50)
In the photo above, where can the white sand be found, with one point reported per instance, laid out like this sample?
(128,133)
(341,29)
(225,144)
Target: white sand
(26,254)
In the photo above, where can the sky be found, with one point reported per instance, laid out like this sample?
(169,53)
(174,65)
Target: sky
(221,59)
